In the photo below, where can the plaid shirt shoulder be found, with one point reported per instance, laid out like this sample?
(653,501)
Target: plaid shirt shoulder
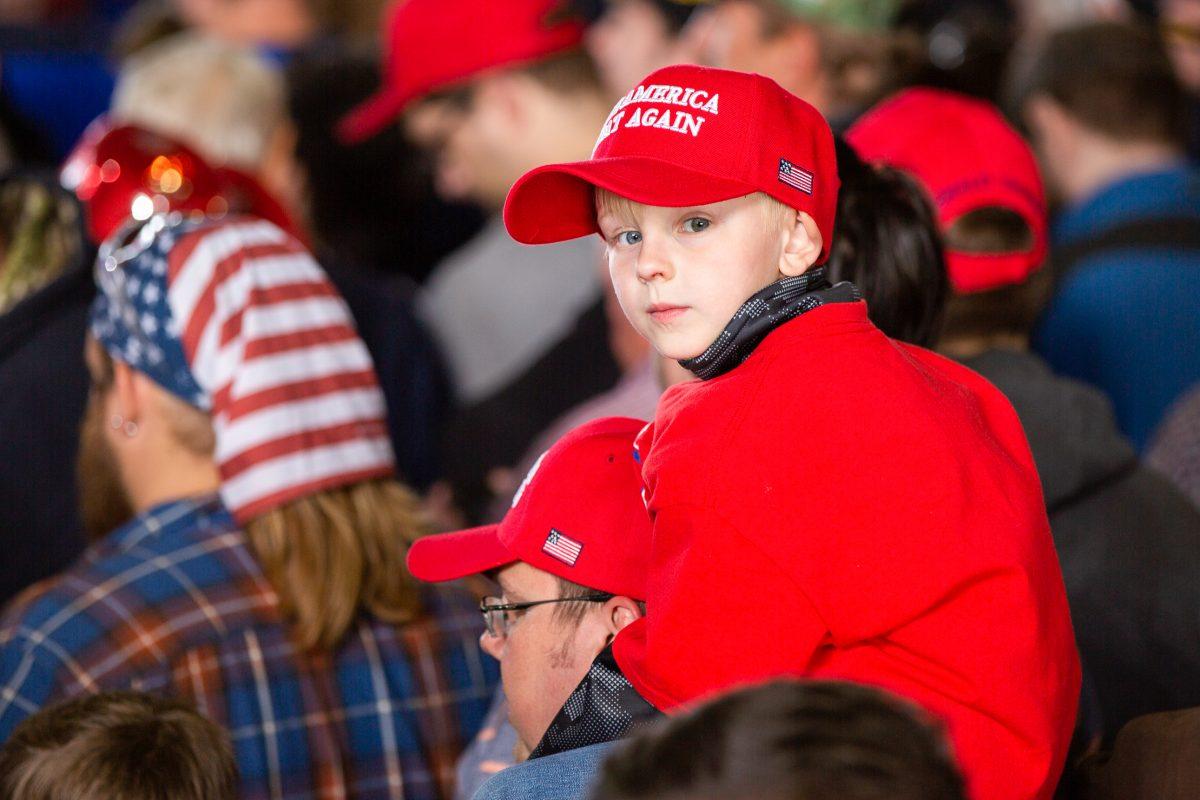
(173,603)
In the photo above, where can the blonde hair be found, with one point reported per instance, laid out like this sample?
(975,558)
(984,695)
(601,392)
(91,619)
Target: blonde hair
(329,555)
(776,215)
(223,100)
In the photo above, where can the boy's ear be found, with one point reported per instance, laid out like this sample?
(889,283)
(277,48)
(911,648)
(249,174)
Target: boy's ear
(802,247)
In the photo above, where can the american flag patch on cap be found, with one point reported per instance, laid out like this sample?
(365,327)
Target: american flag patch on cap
(795,177)
(563,548)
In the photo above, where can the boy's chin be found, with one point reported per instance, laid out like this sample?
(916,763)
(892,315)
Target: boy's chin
(679,350)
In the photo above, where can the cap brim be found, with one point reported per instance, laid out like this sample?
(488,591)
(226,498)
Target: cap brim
(370,117)
(556,202)
(450,556)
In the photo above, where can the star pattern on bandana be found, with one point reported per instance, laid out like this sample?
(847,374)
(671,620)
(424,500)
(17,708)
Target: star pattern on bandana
(132,317)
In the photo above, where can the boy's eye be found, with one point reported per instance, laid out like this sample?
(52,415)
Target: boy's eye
(629,237)
(696,224)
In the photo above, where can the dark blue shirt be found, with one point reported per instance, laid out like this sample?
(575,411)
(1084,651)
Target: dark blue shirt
(1128,319)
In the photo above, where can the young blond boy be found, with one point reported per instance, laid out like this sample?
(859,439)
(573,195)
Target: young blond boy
(826,502)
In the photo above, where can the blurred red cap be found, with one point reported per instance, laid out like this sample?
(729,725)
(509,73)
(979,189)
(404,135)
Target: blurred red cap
(686,136)
(968,157)
(126,171)
(432,44)
(578,515)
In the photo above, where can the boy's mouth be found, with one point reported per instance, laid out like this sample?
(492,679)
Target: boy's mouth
(664,313)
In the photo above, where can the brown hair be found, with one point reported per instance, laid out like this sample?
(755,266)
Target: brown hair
(817,740)
(573,613)
(1010,310)
(565,73)
(330,554)
(337,552)
(1114,78)
(118,746)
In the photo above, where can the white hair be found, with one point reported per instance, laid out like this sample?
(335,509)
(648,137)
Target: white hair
(224,101)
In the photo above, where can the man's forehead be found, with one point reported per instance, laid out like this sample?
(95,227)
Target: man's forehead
(523,580)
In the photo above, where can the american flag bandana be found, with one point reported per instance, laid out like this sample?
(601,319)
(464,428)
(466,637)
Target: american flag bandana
(237,319)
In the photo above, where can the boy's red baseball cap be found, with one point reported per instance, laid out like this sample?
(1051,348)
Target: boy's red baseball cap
(968,157)
(433,44)
(688,135)
(578,515)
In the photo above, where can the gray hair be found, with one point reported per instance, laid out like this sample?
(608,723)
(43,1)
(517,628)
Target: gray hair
(225,101)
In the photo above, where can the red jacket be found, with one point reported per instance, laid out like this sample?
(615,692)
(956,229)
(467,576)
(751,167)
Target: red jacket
(845,506)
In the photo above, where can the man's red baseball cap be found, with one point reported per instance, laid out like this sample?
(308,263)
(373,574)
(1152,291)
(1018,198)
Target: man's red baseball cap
(578,515)
(688,135)
(434,44)
(968,157)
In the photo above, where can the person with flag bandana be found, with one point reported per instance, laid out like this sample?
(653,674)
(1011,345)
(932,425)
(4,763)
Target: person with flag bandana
(249,536)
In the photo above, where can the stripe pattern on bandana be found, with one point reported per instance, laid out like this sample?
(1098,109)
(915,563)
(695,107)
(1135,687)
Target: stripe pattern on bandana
(777,303)
(237,319)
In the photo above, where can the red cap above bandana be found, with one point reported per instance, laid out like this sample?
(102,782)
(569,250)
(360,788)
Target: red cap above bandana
(236,318)
(124,172)
(688,136)
(433,44)
(968,157)
(578,515)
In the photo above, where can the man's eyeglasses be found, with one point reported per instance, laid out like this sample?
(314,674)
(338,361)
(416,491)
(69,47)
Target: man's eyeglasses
(498,617)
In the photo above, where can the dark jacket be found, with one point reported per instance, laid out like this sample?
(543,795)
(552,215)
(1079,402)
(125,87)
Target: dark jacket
(1128,542)
(43,391)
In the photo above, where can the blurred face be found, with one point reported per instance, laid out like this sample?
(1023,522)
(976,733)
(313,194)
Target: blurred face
(734,36)
(469,136)
(1180,20)
(680,274)
(279,23)
(542,658)
(628,42)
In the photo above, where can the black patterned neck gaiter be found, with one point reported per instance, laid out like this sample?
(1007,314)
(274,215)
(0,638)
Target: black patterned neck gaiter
(774,305)
(603,708)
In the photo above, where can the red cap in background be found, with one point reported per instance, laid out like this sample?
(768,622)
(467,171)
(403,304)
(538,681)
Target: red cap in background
(578,515)
(433,44)
(968,157)
(128,171)
(684,136)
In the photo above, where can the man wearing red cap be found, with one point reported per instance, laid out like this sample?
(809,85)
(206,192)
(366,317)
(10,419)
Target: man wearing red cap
(491,90)
(570,558)
(984,180)
(838,504)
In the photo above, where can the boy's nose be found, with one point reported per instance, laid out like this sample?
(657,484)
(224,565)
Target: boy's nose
(654,262)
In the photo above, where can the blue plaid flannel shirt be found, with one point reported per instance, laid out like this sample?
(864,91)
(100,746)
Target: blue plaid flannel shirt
(173,603)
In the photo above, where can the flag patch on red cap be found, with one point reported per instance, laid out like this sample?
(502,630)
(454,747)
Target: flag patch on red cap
(563,548)
(795,177)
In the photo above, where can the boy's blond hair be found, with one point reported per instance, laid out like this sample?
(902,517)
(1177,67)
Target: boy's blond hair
(777,216)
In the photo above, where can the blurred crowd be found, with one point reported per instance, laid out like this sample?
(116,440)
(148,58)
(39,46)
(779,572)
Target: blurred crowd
(263,326)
